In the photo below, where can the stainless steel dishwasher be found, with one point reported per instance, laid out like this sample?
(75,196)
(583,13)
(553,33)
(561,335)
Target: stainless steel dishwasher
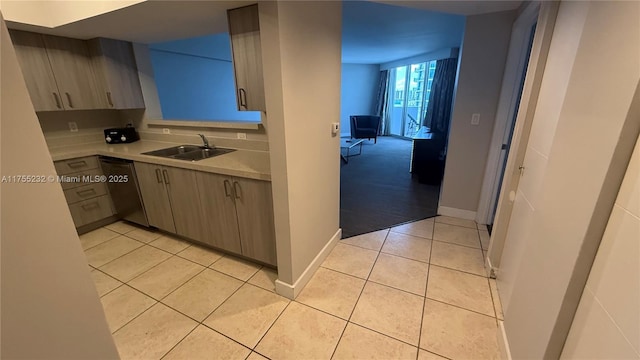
(123,186)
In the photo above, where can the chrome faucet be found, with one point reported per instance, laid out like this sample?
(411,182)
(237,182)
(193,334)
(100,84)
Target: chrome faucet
(204,141)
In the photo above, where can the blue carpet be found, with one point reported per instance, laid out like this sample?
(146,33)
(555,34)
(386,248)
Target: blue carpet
(377,190)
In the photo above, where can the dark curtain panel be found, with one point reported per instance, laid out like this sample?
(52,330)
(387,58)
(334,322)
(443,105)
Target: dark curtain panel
(439,110)
(382,101)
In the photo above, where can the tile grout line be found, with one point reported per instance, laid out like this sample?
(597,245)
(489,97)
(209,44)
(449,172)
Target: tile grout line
(271,326)
(135,317)
(426,285)
(458,270)
(461,271)
(178,343)
(359,296)
(201,322)
(153,298)
(367,279)
(460,307)
(156,302)
(373,330)
(251,350)
(128,252)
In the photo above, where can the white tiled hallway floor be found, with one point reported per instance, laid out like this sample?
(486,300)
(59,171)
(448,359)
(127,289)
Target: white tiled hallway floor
(416,291)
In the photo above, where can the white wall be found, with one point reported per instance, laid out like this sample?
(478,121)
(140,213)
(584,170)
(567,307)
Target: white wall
(358,91)
(301,44)
(482,60)
(50,307)
(195,79)
(607,323)
(572,173)
(150,124)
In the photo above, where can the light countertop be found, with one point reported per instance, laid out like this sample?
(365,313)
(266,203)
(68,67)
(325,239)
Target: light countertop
(242,163)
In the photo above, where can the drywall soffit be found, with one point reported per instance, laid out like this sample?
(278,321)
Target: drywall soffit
(52,14)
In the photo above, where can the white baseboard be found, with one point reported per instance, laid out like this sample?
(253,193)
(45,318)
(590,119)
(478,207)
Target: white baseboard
(491,271)
(503,342)
(291,291)
(459,213)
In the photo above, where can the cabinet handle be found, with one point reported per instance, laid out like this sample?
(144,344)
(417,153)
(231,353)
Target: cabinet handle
(158,176)
(86,191)
(91,205)
(243,97)
(227,190)
(237,189)
(77,164)
(69,100)
(109,99)
(58,104)
(165,175)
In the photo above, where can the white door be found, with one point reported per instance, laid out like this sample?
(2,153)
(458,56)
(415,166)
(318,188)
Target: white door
(562,52)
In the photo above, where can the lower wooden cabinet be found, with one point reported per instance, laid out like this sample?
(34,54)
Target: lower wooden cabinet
(88,201)
(229,213)
(219,210)
(239,215)
(171,199)
(254,207)
(88,211)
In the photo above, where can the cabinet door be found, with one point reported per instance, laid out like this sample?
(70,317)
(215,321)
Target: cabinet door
(36,70)
(73,72)
(117,73)
(185,202)
(155,196)
(244,28)
(254,207)
(216,197)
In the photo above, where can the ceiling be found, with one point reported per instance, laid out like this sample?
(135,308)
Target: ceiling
(459,7)
(149,21)
(373,32)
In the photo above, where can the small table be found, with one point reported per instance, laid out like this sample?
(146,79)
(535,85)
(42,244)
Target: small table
(348,144)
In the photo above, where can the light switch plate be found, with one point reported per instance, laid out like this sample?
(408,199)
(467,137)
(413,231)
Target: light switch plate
(73,126)
(166,131)
(335,128)
(242,136)
(475,119)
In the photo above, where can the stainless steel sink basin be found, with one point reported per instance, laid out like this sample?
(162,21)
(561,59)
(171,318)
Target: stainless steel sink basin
(202,154)
(188,152)
(176,150)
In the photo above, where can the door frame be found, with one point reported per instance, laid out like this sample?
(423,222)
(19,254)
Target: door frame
(510,96)
(533,80)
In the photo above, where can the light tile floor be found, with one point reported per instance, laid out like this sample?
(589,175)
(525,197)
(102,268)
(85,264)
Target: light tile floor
(415,291)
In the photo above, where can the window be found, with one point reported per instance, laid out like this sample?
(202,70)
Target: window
(412,88)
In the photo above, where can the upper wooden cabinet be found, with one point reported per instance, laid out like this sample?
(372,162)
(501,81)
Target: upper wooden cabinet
(63,74)
(244,29)
(71,64)
(117,73)
(36,70)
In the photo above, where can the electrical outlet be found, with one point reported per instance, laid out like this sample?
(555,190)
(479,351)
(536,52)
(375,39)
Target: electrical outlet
(242,136)
(475,119)
(73,126)
(166,131)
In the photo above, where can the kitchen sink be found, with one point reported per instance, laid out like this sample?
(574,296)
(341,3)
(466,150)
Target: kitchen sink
(189,152)
(204,153)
